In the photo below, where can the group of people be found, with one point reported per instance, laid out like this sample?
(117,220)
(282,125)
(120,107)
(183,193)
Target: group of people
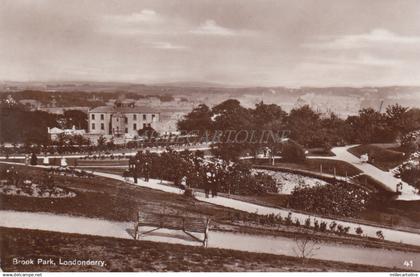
(186,169)
(139,166)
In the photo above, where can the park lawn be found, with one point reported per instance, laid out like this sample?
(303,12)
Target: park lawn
(110,199)
(384,158)
(105,198)
(394,213)
(134,256)
(403,214)
(314,165)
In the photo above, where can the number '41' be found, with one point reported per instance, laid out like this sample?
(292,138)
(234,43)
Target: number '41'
(408,263)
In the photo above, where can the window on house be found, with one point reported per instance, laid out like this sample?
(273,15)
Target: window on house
(93,116)
(93,126)
(126,130)
(134,117)
(144,117)
(102,117)
(153,116)
(102,126)
(134,126)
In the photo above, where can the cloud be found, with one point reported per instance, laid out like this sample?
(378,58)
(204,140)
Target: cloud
(144,22)
(376,36)
(356,60)
(210,27)
(144,16)
(168,46)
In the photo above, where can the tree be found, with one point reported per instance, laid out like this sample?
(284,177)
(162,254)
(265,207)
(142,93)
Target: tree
(359,231)
(305,247)
(234,123)
(370,127)
(147,131)
(101,141)
(397,119)
(304,125)
(75,118)
(199,119)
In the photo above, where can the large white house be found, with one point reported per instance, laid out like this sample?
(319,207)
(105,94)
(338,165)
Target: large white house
(122,119)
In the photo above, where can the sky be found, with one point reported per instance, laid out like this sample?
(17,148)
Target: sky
(232,42)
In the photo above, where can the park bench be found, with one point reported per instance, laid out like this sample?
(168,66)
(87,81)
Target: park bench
(188,225)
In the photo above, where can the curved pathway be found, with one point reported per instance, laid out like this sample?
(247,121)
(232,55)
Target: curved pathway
(385,177)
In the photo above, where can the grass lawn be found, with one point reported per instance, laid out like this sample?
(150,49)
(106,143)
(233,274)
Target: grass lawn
(384,158)
(134,256)
(389,213)
(106,198)
(114,200)
(314,165)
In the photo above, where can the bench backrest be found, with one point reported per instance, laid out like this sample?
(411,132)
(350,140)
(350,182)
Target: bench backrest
(176,222)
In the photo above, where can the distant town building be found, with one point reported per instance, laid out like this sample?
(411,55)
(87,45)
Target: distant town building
(56,132)
(341,105)
(32,104)
(121,119)
(61,110)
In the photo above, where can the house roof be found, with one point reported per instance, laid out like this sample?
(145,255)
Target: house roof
(112,109)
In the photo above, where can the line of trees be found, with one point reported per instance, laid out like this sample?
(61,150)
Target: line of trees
(18,125)
(307,127)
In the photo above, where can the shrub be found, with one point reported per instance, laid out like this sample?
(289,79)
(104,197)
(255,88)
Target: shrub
(288,220)
(341,199)
(308,222)
(359,231)
(294,153)
(316,225)
(332,226)
(323,226)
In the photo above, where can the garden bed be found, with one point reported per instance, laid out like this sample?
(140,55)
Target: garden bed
(37,191)
(287,182)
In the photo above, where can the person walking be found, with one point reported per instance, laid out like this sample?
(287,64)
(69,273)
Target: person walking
(135,175)
(146,171)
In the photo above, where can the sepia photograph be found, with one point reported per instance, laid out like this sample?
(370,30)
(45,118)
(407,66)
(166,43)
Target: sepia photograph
(204,136)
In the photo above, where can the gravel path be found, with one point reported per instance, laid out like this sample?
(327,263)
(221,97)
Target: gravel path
(385,177)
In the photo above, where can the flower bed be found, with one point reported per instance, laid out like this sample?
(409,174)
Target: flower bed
(35,190)
(286,182)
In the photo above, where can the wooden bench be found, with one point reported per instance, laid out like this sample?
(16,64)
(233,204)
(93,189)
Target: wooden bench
(188,225)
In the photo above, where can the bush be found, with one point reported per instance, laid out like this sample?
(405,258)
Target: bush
(308,222)
(332,199)
(294,153)
(332,226)
(288,220)
(323,226)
